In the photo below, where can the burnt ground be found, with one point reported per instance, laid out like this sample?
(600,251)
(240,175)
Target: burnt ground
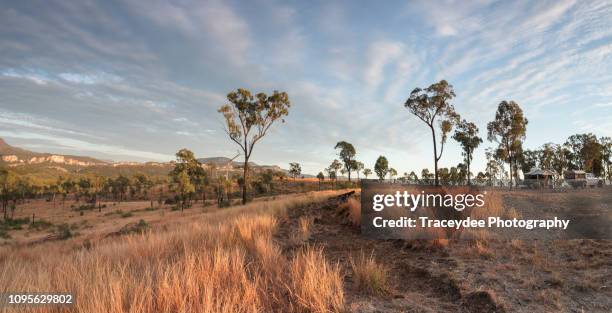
(461,276)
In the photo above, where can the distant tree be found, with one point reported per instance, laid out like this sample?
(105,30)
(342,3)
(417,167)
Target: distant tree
(367,172)
(547,156)
(247,113)
(97,185)
(184,187)
(381,167)
(426,176)
(467,135)
(508,129)
(462,173)
(560,159)
(358,168)
(606,147)
(429,104)
(187,165)
(7,184)
(529,159)
(320,177)
(335,166)
(121,185)
(413,178)
(586,153)
(332,176)
(295,170)
(392,173)
(493,167)
(444,175)
(481,178)
(347,155)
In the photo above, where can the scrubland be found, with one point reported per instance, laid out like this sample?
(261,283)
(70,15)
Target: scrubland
(223,261)
(305,253)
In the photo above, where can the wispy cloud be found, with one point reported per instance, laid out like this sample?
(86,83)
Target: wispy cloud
(146,78)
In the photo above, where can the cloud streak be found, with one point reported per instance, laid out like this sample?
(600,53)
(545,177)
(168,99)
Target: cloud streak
(140,80)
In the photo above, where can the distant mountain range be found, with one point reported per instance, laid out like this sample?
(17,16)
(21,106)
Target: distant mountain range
(34,163)
(10,154)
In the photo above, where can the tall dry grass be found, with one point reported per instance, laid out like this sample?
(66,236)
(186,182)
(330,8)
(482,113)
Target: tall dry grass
(370,276)
(227,262)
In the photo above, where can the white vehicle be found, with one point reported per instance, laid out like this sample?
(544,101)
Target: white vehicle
(592,180)
(581,179)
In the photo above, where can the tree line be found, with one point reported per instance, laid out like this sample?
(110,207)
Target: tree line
(92,189)
(432,105)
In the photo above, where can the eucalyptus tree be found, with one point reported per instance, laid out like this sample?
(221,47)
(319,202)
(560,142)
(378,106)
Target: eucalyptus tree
(248,119)
(320,177)
(508,129)
(334,167)
(413,178)
(187,166)
(467,135)
(295,170)
(367,172)
(433,104)
(381,167)
(331,173)
(606,144)
(392,173)
(347,155)
(358,167)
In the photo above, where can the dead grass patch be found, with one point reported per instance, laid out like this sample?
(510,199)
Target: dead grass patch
(370,276)
(302,232)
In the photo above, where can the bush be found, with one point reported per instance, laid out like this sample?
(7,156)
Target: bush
(85,207)
(64,231)
(139,227)
(40,225)
(13,224)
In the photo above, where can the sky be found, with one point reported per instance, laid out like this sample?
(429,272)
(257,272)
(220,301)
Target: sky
(139,80)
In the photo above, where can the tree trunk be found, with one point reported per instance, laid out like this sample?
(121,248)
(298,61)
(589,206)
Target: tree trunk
(468,169)
(511,172)
(433,135)
(245,178)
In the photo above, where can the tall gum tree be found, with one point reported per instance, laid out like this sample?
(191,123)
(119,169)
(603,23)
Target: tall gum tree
(347,155)
(430,105)
(248,119)
(508,129)
(467,135)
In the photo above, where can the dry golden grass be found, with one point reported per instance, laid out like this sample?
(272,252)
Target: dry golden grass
(227,262)
(302,232)
(371,277)
(354,211)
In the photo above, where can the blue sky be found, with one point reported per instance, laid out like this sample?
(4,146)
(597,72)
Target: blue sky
(138,80)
